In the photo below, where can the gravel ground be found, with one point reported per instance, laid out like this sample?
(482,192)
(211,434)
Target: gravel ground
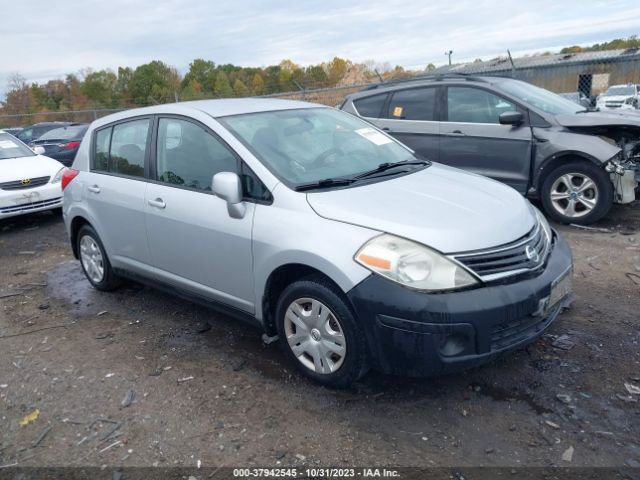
(138,378)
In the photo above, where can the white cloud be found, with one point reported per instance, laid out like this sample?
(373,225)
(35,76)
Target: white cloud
(43,39)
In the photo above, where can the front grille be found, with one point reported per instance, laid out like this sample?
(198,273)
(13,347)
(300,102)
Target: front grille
(23,184)
(25,207)
(526,253)
(511,333)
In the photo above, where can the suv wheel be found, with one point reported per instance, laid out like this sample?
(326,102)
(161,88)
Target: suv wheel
(320,334)
(577,192)
(94,261)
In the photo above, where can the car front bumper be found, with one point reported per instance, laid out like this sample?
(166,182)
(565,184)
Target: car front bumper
(28,200)
(419,334)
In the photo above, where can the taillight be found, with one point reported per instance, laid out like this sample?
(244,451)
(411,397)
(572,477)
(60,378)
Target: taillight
(68,175)
(69,145)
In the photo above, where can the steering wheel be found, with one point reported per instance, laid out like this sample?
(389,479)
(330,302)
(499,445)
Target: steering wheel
(322,158)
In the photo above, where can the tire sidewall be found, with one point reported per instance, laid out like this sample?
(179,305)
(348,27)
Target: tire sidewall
(109,279)
(354,364)
(595,173)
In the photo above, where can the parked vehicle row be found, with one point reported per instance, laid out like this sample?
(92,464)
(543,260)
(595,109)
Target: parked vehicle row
(353,249)
(576,162)
(28,182)
(620,97)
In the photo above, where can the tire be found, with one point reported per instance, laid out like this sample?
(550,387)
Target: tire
(565,199)
(94,260)
(330,350)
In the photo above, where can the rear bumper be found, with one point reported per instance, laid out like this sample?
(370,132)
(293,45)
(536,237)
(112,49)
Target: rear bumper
(20,202)
(418,334)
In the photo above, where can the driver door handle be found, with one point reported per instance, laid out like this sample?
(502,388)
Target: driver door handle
(158,203)
(94,189)
(458,132)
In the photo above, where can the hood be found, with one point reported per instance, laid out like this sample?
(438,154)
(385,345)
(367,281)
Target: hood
(28,167)
(599,119)
(441,207)
(613,98)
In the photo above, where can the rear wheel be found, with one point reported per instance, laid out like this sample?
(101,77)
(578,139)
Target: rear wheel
(320,334)
(94,260)
(577,192)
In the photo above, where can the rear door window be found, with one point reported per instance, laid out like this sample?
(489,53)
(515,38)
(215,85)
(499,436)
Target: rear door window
(413,104)
(371,106)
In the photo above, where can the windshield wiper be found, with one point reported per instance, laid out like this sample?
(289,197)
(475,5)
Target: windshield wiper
(383,167)
(327,182)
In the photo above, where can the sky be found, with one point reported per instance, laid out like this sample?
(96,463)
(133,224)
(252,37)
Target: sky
(43,40)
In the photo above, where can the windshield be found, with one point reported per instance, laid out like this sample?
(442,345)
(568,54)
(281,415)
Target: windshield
(10,147)
(314,144)
(65,133)
(539,98)
(622,91)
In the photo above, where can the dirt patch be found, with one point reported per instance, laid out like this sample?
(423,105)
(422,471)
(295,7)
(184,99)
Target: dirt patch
(160,381)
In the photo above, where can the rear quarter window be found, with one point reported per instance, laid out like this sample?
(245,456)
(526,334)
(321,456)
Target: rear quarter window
(121,148)
(370,106)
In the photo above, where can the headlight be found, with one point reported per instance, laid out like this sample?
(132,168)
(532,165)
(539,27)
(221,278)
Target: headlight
(544,223)
(58,176)
(412,264)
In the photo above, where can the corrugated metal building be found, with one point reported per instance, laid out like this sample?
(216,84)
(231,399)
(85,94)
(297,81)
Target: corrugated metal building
(588,72)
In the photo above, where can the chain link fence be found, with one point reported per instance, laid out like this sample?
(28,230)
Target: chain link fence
(581,77)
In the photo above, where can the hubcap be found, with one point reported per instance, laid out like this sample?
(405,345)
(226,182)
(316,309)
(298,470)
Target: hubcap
(91,259)
(574,195)
(315,336)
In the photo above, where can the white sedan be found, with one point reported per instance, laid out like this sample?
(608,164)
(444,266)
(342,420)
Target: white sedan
(28,182)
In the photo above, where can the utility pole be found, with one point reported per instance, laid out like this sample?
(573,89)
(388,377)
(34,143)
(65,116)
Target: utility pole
(449,55)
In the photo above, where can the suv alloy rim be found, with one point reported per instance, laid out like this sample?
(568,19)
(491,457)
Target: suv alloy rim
(574,195)
(314,335)
(91,258)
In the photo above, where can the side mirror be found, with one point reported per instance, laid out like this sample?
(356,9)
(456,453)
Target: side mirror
(511,118)
(38,150)
(228,187)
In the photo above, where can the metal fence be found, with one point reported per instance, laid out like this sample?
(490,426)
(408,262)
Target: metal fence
(584,75)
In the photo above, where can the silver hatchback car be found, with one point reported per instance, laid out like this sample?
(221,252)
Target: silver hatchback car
(320,229)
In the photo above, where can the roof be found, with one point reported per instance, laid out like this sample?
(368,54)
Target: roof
(502,64)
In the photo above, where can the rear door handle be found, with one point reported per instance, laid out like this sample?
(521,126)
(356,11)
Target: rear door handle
(386,129)
(158,203)
(458,132)
(94,189)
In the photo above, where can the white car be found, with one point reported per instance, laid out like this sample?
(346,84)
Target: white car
(28,182)
(622,97)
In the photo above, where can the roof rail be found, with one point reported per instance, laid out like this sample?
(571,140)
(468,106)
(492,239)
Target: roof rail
(435,77)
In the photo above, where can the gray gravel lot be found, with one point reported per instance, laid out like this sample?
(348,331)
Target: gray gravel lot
(138,378)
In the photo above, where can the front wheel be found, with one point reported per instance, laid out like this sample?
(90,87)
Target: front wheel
(320,334)
(577,192)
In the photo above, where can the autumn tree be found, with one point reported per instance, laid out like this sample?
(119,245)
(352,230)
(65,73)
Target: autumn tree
(240,89)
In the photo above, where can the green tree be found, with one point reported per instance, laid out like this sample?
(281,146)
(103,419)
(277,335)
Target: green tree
(240,89)
(153,82)
(257,85)
(222,85)
(100,87)
(203,72)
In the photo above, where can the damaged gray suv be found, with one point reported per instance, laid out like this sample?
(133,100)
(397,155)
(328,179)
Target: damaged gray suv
(576,162)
